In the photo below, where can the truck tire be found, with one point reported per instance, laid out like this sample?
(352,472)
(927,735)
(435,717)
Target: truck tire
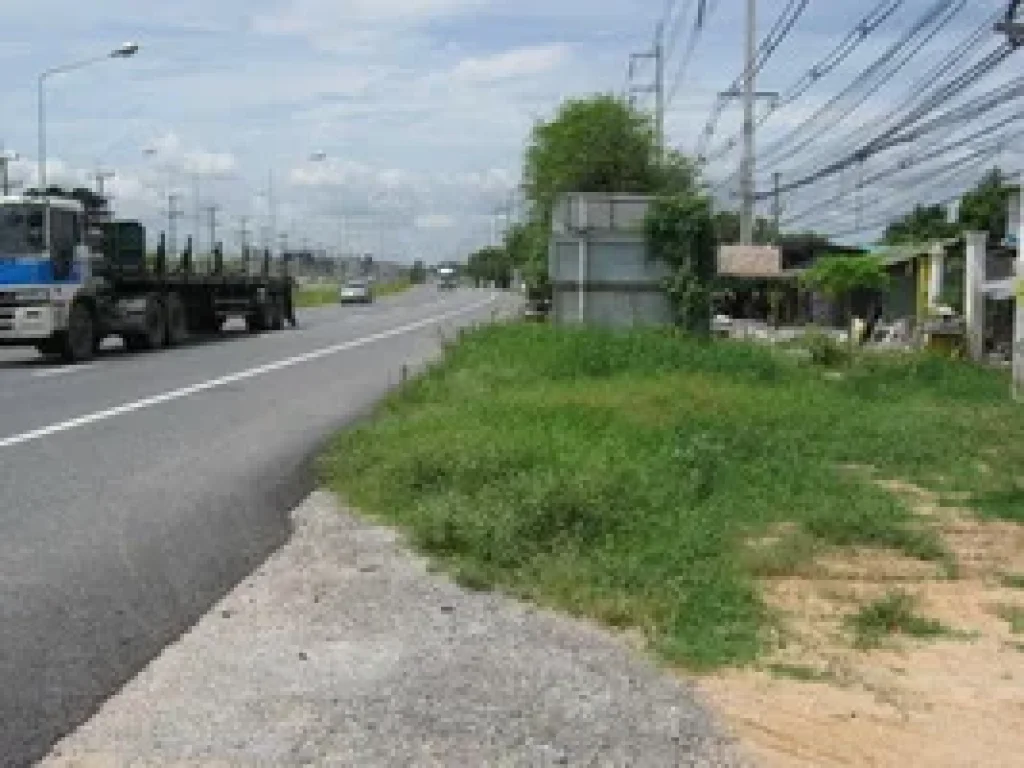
(277,314)
(78,343)
(155,331)
(177,321)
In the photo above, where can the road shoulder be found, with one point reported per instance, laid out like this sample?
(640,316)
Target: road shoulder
(344,648)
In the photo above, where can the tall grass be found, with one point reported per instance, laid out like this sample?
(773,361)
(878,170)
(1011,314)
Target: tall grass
(628,476)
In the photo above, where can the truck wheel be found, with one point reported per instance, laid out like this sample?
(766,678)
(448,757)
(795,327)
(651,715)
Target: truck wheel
(177,322)
(277,314)
(156,323)
(154,330)
(78,343)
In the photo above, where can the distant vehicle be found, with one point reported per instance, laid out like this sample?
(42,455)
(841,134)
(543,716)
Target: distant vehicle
(356,292)
(447,278)
(91,278)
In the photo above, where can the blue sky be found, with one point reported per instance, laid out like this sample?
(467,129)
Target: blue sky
(421,106)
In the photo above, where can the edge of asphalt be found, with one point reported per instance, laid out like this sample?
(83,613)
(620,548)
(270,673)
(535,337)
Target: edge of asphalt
(345,648)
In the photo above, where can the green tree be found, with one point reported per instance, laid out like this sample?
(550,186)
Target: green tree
(840,276)
(921,225)
(599,144)
(418,272)
(984,208)
(491,264)
(681,232)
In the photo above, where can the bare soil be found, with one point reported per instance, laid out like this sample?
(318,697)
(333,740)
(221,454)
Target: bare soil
(947,701)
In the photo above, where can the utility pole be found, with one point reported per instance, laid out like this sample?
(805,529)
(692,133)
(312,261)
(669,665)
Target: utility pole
(243,232)
(749,95)
(5,160)
(173,214)
(1013,29)
(271,209)
(859,202)
(211,211)
(101,176)
(198,210)
(657,87)
(747,164)
(776,205)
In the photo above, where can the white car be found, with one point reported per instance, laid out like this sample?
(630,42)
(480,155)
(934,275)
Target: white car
(356,292)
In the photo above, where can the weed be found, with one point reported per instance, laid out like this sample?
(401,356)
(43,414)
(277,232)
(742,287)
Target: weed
(1000,504)
(1014,614)
(825,350)
(889,615)
(1013,580)
(623,476)
(800,672)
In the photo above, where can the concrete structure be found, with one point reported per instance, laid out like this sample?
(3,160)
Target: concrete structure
(599,264)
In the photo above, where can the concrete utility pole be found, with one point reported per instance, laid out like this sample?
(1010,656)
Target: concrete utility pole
(1017,350)
(776,205)
(197,212)
(211,211)
(5,161)
(243,232)
(1013,29)
(747,166)
(749,96)
(657,87)
(100,177)
(173,214)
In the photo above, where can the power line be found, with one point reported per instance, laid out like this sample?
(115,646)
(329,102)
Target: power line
(773,39)
(861,32)
(907,164)
(984,103)
(937,178)
(836,105)
(704,10)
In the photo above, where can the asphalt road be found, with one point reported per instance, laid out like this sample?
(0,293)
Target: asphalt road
(136,491)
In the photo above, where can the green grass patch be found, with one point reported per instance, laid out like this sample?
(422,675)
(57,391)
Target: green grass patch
(891,615)
(1014,614)
(1013,580)
(327,294)
(651,481)
(800,672)
(316,295)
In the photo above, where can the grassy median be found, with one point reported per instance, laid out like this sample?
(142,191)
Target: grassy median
(327,294)
(650,482)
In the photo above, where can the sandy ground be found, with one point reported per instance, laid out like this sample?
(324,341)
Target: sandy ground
(952,701)
(344,649)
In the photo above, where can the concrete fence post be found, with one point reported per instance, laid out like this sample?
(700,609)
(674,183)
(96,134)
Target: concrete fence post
(974,297)
(936,267)
(1016,220)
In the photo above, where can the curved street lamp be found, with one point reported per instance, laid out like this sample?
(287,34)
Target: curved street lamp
(123,51)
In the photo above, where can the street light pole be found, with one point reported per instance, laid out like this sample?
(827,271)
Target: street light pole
(122,52)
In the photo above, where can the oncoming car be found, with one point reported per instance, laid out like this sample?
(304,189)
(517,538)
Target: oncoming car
(356,292)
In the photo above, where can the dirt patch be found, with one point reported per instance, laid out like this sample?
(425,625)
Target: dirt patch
(948,701)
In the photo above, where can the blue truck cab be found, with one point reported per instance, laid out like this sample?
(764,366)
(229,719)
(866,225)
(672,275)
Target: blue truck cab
(39,282)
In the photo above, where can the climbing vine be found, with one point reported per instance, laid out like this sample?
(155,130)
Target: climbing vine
(680,232)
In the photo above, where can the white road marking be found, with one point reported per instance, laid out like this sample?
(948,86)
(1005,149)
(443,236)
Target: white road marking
(60,371)
(178,394)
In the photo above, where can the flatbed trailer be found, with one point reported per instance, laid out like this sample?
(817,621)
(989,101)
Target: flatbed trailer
(66,299)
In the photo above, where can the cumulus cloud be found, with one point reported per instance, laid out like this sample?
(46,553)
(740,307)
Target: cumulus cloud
(434,221)
(170,153)
(519,62)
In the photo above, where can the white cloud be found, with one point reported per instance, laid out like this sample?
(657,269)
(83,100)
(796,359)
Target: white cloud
(434,221)
(170,154)
(519,62)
